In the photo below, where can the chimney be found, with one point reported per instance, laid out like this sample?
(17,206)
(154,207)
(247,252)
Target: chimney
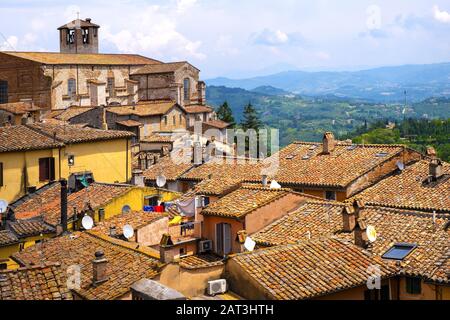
(361,239)
(63,183)
(88,20)
(264,181)
(328,143)
(99,268)
(197,153)
(104,122)
(431,152)
(166,255)
(351,214)
(112,231)
(435,169)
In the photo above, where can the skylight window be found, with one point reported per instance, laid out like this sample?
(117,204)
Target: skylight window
(352,147)
(381,154)
(399,251)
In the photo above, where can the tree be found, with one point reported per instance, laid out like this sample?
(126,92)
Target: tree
(250,118)
(225,113)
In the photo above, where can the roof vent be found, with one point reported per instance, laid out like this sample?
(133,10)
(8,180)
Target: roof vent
(435,169)
(381,154)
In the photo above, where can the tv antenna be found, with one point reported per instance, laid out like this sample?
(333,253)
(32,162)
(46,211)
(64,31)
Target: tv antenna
(3,206)
(400,165)
(161,181)
(371,233)
(249,244)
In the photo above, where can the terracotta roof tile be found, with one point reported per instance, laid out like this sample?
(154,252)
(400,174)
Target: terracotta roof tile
(168,167)
(22,138)
(303,163)
(201,261)
(47,202)
(310,269)
(30,228)
(243,201)
(69,113)
(130,123)
(54,58)
(19,108)
(198,109)
(161,68)
(73,134)
(144,110)
(316,220)
(7,238)
(126,265)
(407,190)
(44,282)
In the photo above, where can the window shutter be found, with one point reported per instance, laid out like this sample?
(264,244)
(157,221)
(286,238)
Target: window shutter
(43,169)
(51,165)
(219,238)
(226,238)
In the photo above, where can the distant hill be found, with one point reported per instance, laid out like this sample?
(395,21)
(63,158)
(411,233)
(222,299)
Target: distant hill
(306,118)
(386,84)
(271,91)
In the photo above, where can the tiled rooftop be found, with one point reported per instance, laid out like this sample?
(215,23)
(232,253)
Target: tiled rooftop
(44,282)
(144,110)
(30,228)
(304,164)
(169,167)
(18,108)
(22,138)
(54,58)
(7,238)
(314,220)
(71,134)
(161,68)
(201,261)
(311,269)
(407,190)
(136,219)
(126,265)
(69,113)
(47,202)
(243,201)
(198,109)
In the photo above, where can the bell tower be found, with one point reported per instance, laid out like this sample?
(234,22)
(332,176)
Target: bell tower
(79,36)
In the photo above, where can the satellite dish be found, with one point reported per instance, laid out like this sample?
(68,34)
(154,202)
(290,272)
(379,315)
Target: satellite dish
(3,206)
(400,165)
(274,185)
(249,244)
(371,233)
(87,222)
(126,209)
(161,181)
(128,231)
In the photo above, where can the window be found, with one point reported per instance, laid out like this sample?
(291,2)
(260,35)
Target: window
(71,87)
(3,91)
(1,174)
(187,89)
(223,238)
(181,118)
(85,36)
(413,285)
(110,87)
(399,251)
(174,120)
(46,169)
(3,266)
(330,195)
(71,37)
(165,120)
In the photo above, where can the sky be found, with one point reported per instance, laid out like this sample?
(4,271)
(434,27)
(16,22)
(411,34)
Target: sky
(244,38)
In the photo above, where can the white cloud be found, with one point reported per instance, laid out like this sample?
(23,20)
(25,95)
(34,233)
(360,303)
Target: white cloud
(184,5)
(153,31)
(270,37)
(322,55)
(442,16)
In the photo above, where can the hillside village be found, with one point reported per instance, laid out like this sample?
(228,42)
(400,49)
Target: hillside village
(117,177)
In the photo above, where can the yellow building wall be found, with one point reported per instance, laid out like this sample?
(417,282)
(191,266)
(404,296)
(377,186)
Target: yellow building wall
(109,161)
(6,252)
(14,164)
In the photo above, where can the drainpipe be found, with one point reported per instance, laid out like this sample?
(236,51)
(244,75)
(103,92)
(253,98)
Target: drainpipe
(64,205)
(126,168)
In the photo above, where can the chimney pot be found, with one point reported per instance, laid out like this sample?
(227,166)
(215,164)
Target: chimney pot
(431,152)
(328,142)
(435,169)
(264,181)
(99,268)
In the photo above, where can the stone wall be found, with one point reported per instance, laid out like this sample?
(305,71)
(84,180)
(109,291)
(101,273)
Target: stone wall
(26,80)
